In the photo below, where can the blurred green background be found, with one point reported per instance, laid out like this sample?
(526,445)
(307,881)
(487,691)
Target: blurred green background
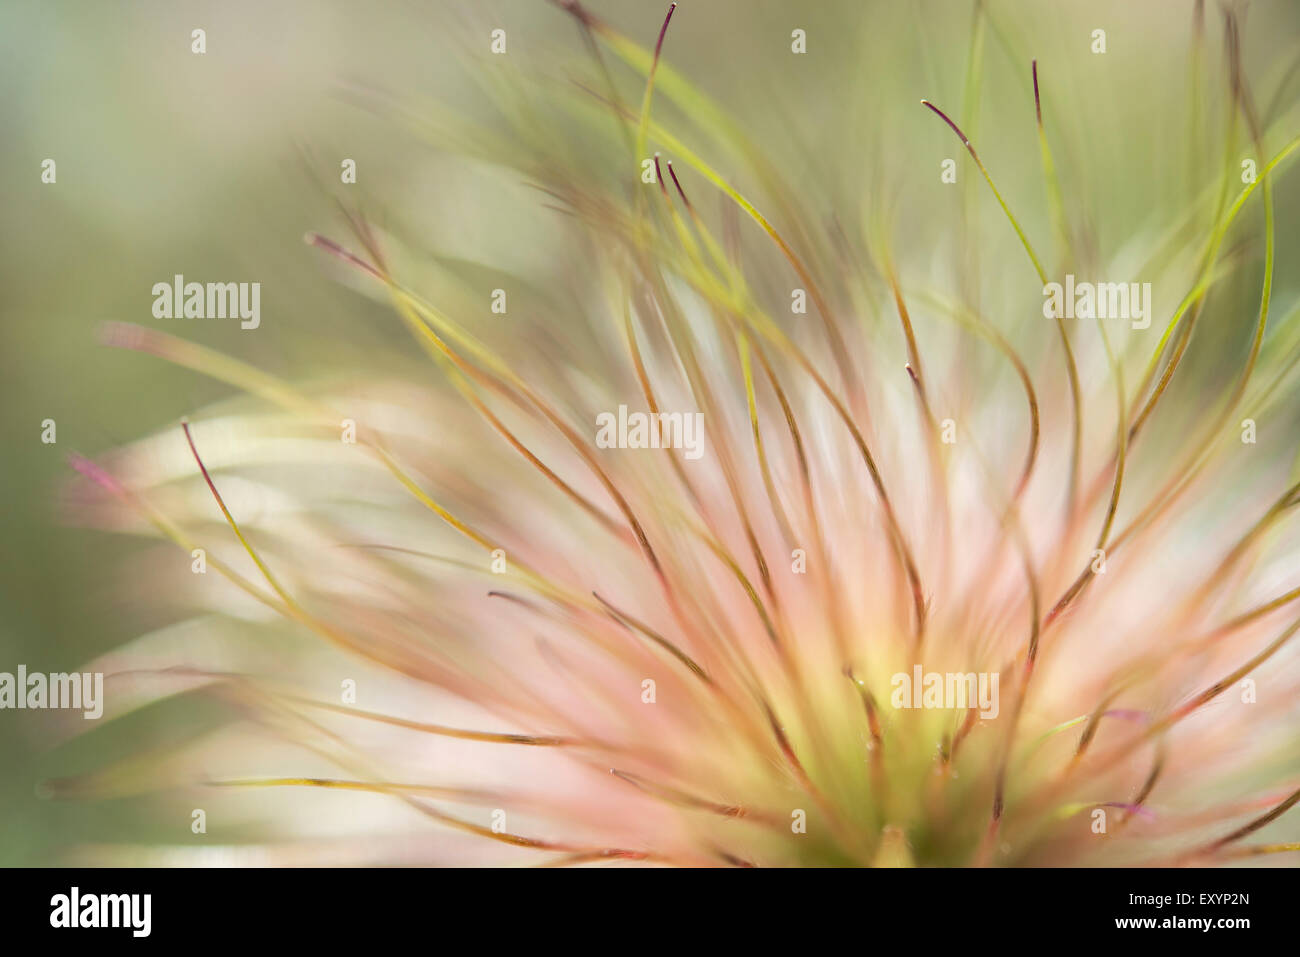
(213,166)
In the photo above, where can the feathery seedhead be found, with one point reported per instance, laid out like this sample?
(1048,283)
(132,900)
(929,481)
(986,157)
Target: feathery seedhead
(946,583)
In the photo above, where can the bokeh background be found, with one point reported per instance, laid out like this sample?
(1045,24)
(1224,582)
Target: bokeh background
(214,166)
